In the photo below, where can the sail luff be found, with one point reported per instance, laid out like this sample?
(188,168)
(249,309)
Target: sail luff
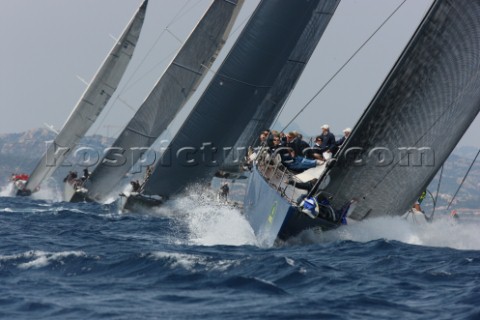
(416,119)
(92,102)
(230,101)
(172,91)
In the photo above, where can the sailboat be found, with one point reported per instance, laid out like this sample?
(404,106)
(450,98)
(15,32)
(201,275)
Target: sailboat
(177,84)
(260,70)
(419,114)
(92,102)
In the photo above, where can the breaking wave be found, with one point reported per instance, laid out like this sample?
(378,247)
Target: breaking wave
(209,222)
(49,191)
(83,260)
(38,259)
(7,191)
(445,232)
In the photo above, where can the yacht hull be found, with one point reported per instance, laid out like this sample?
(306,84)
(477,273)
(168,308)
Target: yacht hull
(272,216)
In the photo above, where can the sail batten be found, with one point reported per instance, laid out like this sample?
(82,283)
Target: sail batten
(92,101)
(246,78)
(174,88)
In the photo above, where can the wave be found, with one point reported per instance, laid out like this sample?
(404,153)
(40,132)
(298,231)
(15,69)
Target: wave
(38,259)
(442,232)
(209,222)
(192,262)
(49,191)
(7,191)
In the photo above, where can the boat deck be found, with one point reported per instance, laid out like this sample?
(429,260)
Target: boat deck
(278,176)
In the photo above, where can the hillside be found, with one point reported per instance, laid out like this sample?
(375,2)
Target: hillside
(19,153)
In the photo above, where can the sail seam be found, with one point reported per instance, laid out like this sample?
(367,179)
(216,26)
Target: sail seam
(140,133)
(244,82)
(186,68)
(296,61)
(231,2)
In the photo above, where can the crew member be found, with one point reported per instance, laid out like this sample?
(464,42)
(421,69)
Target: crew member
(224,191)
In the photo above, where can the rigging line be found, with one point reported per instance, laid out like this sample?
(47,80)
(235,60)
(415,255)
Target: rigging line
(345,64)
(129,84)
(427,218)
(168,57)
(277,117)
(151,70)
(142,62)
(175,36)
(177,15)
(463,180)
(183,14)
(416,143)
(121,91)
(435,200)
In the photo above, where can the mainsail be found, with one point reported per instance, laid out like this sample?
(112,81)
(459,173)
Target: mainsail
(271,105)
(92,102)
(422,110)
(233,96)
(172,91)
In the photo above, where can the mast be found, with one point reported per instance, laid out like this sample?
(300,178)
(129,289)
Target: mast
(417,117)
(92,102)
(232,98)
(172,91)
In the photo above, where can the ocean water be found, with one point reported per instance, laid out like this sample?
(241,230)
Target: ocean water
(195,260)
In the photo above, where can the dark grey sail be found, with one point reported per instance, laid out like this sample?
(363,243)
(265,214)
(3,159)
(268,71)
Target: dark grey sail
(428,101)
(177,84)
(232,98)
(271,105)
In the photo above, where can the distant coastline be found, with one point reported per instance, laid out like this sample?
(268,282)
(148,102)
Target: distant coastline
(19,153)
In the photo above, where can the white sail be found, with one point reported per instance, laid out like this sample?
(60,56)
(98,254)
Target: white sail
(91,103)
(172,91)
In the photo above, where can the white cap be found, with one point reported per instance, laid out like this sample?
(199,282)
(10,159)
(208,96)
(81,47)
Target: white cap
(347,130)
(326,127)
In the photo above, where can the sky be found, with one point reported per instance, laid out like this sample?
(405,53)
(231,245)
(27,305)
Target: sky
(49,45)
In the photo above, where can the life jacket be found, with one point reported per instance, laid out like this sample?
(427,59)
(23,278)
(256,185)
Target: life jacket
(310,207)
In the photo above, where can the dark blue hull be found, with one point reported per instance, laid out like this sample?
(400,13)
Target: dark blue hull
(23,193)
(273,217)
(80,197)
(139,202)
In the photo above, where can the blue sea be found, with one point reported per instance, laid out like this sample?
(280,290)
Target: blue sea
(195,260)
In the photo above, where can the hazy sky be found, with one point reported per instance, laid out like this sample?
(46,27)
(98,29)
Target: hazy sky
(47,44)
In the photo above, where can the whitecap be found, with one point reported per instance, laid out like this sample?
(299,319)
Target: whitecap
(191,262)
(7,191)
(39,259)
(442,232)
